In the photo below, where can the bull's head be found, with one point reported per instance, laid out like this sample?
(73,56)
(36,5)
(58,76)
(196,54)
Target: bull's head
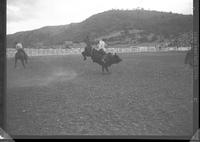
(116,59)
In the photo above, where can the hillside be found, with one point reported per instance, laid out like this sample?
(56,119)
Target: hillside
(123,23)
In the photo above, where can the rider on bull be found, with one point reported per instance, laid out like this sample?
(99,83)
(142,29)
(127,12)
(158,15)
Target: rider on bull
(19,47)
(102,47)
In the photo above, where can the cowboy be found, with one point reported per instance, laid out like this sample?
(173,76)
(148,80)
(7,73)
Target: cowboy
(19,47)
(101,45)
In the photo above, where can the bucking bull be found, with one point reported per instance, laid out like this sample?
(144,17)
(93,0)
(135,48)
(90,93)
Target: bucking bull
(98,55)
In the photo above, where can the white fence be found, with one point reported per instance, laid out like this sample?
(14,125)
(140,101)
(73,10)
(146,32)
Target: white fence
(43,52)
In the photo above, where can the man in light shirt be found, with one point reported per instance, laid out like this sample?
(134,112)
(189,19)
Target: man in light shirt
(101,45)
(19,47)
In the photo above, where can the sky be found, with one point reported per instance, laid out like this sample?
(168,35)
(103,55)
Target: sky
(23,15)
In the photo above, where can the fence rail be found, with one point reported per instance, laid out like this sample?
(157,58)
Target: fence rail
(44,52)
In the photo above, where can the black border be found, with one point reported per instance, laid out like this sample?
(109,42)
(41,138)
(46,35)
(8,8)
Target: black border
(196,66)
(2,61)
(195,87)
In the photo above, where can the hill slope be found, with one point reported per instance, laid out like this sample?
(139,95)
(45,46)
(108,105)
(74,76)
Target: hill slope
(158,23)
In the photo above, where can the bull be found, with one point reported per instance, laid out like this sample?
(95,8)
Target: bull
(105,60)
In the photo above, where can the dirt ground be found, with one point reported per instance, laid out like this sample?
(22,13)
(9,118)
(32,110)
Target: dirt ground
(145,94)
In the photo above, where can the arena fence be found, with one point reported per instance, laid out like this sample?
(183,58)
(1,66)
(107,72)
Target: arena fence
(44,52)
